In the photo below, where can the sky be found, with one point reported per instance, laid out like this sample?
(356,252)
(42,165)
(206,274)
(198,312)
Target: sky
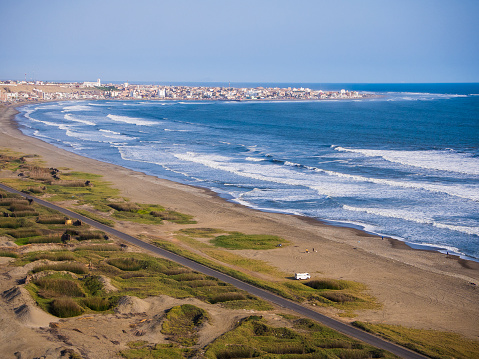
(300,41)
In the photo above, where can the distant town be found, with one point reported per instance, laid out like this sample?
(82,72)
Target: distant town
(22,91)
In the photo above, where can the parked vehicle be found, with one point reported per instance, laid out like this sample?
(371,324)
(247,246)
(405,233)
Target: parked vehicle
(300,276)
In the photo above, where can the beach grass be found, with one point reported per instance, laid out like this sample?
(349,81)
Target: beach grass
(254,337)
(142,349)
(248,241)
(434,344)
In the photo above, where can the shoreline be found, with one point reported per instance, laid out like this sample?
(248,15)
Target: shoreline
(418,288)
(340,224)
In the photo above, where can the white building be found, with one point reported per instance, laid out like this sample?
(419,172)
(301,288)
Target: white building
(92,84)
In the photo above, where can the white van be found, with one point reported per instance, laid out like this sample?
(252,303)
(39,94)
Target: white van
(300,276)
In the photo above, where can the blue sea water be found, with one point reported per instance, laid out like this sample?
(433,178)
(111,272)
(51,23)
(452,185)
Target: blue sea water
(405,164)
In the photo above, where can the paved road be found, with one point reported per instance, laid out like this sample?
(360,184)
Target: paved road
(261,293)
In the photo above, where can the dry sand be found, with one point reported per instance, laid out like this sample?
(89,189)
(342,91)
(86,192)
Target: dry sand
(420,289)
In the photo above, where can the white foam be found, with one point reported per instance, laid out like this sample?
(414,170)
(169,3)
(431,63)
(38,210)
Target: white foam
(109,131)
(435,160)
(253,159)
(131,120)
(411,216)
(76,108)
(69,117)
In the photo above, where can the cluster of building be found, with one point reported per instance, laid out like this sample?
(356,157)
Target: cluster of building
(13,91)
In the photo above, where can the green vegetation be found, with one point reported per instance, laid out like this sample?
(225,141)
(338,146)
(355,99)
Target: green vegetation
(346,296)
(7,253)
(182,323)
(131,273)
(148,214)
(77,268)
(253,337)
(248,241)
(161,351)
(434,344)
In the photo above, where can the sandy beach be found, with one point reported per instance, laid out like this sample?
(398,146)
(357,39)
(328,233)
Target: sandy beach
(419,289)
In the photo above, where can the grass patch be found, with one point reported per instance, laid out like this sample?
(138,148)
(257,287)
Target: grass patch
(182,323)
(434,344)
(201,232)
(248,241)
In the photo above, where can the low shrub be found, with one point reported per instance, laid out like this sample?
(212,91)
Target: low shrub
(51,287)
(92,284)
(65,308)
(20,214)
(236,352)
(339,297)
(84,236)
(7,253)
(15,207)
(182,323)
(128,264)
(327,284)
(188,276)
(97,304)
(46,239)
(100,248)
(201,283)
(25,233)
(51,220)
(226,297)
(53,256)
(77,268)
(11,223)
(125,207)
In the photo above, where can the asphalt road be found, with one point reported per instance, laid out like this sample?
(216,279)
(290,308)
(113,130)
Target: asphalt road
(261,293)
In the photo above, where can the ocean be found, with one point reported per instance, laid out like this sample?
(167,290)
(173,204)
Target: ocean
(404,164)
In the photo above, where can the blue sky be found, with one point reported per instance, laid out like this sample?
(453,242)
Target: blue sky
(241,41)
